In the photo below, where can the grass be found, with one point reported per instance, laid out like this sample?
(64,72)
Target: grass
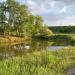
(40,63)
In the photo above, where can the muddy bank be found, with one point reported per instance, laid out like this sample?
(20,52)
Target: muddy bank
(11,39)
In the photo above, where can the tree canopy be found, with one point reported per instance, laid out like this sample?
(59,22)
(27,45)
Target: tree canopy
(16,20)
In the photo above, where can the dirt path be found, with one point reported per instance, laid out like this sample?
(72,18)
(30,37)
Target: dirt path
(71,71)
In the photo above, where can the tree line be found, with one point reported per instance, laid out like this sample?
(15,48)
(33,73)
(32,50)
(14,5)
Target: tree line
(63,29)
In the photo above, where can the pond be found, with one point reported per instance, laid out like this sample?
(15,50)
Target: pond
(28,47)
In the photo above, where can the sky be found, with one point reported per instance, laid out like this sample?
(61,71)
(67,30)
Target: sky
(53,12)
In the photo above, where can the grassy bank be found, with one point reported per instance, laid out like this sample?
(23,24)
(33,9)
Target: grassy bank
(40,63)
(59,39)
(63,39)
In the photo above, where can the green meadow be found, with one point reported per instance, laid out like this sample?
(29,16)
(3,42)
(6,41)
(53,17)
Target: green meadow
(40,63)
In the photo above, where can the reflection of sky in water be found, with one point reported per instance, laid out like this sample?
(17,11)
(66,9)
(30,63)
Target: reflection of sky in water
(54,48)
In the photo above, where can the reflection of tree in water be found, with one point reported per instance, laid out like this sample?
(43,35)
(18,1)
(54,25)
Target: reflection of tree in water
(5,52)
(39,45)
(22,49)
(11,51)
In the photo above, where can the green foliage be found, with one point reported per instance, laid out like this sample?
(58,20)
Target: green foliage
(63,39)
(40,63)
(47,32)
(63,29)
(15,19)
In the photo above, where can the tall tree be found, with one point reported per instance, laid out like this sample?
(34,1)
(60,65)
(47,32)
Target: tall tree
(2,17)
(38,24)
(17,16)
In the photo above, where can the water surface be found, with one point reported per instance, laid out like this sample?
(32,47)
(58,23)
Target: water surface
(7,51)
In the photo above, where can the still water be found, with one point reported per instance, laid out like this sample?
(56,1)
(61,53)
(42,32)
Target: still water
(28,47)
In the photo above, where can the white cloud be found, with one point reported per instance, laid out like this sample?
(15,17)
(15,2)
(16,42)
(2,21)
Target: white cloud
(53,11)
(63,10)
(30,2)
(52,3)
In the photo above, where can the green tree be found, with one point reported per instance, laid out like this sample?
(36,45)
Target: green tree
(2,17)
(15,19)
(31,25)
(17,16)
(38,24)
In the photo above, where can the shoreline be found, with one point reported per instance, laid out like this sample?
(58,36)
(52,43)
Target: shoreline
(13,39)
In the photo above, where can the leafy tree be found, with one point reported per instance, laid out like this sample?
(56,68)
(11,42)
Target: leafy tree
(2,17)
(15,19)
(17,16)
(38,24)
